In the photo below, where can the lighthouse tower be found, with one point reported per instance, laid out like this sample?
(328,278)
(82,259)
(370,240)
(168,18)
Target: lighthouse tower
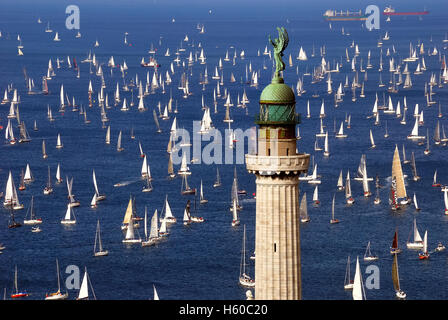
(277,166)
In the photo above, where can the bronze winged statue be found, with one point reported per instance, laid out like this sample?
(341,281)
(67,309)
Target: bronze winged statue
(279,45)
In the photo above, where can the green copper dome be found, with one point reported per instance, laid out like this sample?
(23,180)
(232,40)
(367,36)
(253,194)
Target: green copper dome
(277,93)
(277,100)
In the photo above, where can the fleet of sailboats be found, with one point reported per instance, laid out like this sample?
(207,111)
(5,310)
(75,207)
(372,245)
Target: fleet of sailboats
(398,196)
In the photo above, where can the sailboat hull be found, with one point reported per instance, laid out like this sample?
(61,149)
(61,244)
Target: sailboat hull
(56,296)
(414,245)
(32,221)
(101,253)
(423,256)
(68,221)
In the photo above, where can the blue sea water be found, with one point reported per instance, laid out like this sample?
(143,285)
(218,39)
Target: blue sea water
(202,261)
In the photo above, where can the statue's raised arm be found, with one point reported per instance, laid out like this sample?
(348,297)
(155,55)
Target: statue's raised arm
(279,45)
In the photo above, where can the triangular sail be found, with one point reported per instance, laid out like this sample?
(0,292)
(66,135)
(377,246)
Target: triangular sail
(357,283)
(129,210)
(84,291)
(154,231)
(397,172)
(303,208)
(417,237)
(395,277)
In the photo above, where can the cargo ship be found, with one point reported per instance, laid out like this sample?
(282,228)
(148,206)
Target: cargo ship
(389,11)
(333,15)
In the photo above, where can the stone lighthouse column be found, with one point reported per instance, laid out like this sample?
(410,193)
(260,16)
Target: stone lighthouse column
(277,166)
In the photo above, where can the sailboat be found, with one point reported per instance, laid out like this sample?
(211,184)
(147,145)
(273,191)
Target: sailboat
(394,249)
(100,252)
(148,186)
(130,235)
(326,146)
(348,283)
(445,200)
(17,294)
(368,256)
(58,174)
(373,145)
(156,296)
(154,230)
(11,197)
(98,196)
(59,143)
(186,189)
(414,133)
(362,170)
(427,151)
(340,133)
(72,201)
(163,232)
(333,220)
(84,290)
(424,254)
(303,209)
(348,190)
(358,292)
(108,135)
(58,295)
(316,201)
(12,223)
(30,218)
(186,219)
(397,174)
(417,240)
(48,188)
(171,173)
(168,217)
(365,184)
(434,181)
(202,200)
(396,279)
(218,179)
(69,217)
(184,169)
(119,147)
(235,218)
(128,215)
(405,161)
(415,202)
(340,183)
(416,177)
(244,279)
(44,153)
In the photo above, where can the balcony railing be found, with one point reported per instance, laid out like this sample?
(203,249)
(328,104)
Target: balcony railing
(275,164)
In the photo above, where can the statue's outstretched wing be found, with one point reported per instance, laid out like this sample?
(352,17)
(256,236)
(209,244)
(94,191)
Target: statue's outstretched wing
(284,38)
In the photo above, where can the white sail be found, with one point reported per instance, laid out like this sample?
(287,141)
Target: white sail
(84,290)
(425,242)
(417,237)
(154,231)
(156,296)
(27,176)
(145,167)
(11,197)
(108,135)
(357,292)
(445,199)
